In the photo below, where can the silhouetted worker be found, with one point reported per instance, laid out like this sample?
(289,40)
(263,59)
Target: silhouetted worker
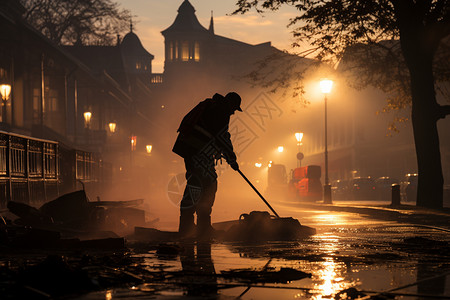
(202,140)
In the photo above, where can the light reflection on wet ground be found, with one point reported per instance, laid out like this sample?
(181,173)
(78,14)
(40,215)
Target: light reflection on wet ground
(357,252)
(348,251)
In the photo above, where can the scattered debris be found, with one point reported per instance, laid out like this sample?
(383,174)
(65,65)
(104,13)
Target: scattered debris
(254,276)
(152,234)
(260,226)
(71,218)
(168,250)
(349,294)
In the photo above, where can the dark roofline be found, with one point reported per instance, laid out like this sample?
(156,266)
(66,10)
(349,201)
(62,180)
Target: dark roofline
(225,39)
(59,50)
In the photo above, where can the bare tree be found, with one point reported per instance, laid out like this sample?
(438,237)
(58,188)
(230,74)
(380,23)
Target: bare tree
(399,46)
(67,22)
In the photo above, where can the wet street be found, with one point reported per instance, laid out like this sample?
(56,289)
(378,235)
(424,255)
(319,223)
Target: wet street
(358,252)
(361,251)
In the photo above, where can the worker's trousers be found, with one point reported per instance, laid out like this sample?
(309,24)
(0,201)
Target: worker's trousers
(199,194)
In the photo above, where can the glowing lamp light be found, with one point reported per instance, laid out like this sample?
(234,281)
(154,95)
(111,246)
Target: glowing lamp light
(149,148)
(5,90)
(133,143)
(299,137)
(280,149)
(87,118)
(258,165)
(326,85)
(112,127)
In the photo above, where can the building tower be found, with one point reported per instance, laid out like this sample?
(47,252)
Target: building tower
(137,61)
(187,43)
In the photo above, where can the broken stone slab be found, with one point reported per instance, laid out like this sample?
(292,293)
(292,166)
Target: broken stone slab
(152,234)
(72,208)
(29,215)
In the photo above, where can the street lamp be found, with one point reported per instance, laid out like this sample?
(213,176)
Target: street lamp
(325,86)
(299,137)
(112,127)
(87,118)
(5,90)
(149,149)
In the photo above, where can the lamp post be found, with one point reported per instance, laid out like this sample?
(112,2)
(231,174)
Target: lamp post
(325,86)
(299,137)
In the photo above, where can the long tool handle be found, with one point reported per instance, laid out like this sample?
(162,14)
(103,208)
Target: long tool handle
(259,194)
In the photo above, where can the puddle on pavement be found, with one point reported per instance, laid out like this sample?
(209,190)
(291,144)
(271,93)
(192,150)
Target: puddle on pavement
(372,260)
(362,259)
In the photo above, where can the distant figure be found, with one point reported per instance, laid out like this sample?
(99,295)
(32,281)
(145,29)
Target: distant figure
(202,140)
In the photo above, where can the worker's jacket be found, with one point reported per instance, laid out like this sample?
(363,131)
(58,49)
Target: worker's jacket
(204,130)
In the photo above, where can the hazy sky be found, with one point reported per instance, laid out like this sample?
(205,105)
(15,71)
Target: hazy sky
(153,16)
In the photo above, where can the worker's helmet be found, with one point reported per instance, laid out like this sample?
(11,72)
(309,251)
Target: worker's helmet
(235,100)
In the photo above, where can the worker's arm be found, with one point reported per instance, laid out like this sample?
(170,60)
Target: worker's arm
(227,150)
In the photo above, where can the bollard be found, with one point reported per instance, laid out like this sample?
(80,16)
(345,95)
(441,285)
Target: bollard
(395,194)
(327,194)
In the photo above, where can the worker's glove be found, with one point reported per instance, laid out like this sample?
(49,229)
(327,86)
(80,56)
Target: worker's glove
(234,165)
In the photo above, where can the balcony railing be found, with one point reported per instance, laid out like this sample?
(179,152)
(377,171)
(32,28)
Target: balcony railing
(156,78)
(30,169)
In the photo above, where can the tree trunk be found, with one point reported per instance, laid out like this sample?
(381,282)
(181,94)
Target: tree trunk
(424,119)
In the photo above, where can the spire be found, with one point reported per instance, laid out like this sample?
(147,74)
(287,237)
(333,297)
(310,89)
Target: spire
(131,24)
(186,21)
(211,24)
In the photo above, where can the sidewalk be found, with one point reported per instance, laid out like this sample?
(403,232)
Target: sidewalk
(382,210)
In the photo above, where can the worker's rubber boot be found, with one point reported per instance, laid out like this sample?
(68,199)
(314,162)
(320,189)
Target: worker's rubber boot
(204,229)
(186,228)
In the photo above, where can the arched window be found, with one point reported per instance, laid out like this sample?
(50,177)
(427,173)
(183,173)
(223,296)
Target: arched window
(176,51)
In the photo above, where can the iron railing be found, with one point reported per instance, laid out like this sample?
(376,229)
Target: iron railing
(30,169)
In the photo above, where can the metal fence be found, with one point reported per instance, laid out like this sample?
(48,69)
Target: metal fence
(30,169)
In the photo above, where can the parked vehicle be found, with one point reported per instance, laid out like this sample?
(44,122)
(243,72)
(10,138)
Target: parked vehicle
(277,183)
(362,188)
(340,189)
(383,187)
(305,183)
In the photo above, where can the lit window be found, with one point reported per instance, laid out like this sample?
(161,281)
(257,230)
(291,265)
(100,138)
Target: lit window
(197,51)
(171,51)
(185,51)
(176,50)
(138,66)
(36,104)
